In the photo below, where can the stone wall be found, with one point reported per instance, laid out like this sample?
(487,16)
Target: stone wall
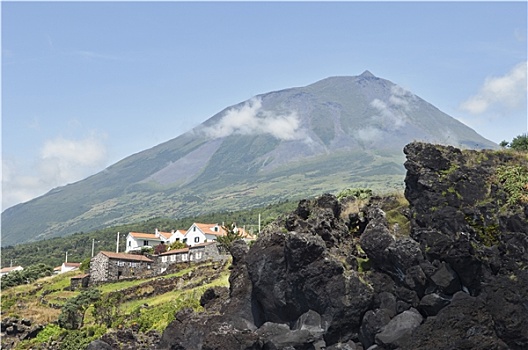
(196,253)
(99,268)
(119,269)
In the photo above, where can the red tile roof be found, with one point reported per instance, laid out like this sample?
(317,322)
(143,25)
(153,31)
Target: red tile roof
(245,234)
(150,236)
(71,264)
(208,229)
(165,235)
(125,256)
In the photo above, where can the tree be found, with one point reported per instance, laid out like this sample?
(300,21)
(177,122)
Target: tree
(504,143)
(232,234)
(520,143)
(72,313)
(85,265)
(177,245)
(106,309)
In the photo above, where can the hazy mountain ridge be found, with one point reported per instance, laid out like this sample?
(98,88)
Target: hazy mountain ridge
(336,133)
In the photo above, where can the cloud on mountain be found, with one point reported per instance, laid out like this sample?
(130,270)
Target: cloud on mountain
(507,91)
(251,119)
(390,115)
(60,161)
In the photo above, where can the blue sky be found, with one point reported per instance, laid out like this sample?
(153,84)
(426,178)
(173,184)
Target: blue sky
(85,84)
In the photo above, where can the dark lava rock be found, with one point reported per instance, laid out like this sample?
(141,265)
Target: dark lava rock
(464,267)
(99,345)
(432,303)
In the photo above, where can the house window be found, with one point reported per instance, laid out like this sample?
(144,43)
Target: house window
(184,257)
(129,243)
(185,240)
(120,263)
(173,257)
(196,239)
(198,255)
(194,228)
(145,243)
(164,259)
(177,239)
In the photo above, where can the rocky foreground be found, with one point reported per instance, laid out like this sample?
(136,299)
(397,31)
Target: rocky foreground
(326,278)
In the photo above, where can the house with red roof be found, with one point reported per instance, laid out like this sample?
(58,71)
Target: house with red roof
(136,241)
(201,233)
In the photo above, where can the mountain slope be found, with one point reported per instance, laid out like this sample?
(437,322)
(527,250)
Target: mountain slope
(336,133)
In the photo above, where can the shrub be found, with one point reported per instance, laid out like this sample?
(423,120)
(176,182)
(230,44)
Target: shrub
(28,275)
(514,178)
(72,313)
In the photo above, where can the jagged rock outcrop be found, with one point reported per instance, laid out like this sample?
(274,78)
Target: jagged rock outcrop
(13,329)
(324,277)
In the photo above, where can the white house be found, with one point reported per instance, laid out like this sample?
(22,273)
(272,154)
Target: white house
(177,235)
(139,240)
(67,267)
(6,270)
(201,233)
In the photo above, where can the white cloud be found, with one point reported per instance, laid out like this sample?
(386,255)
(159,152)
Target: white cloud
(250,119)
(505,91)
(369,134)
(392,114)
(61,161)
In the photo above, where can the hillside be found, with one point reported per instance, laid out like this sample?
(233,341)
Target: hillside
(337,133)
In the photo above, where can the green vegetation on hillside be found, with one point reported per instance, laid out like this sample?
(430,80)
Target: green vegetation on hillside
(75,318)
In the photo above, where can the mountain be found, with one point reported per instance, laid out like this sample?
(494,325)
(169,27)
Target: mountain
(337,133)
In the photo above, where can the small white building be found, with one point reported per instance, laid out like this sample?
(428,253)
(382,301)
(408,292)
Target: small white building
(177,235)
(7,270)
(67,267)
(139,240)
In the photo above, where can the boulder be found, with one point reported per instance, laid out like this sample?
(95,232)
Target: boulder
(399,329)
(372,323)
(446,280)
(98,345)
(432,303)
